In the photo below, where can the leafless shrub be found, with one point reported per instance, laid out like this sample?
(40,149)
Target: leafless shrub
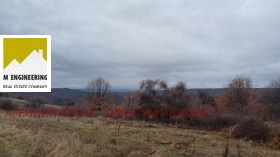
(205,98)
(7,105)
(254,130)
(216,122)
(36,102)
(274,93)
(275,143)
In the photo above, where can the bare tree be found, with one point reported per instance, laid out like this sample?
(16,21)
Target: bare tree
(149,91)
(270,99)
(205,98)
(98,93)
(156,92)
(150,95)
(239,93)
(176,97)
(274,93)
(130,98)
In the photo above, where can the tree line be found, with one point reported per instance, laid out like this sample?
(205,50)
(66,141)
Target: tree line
(240,97)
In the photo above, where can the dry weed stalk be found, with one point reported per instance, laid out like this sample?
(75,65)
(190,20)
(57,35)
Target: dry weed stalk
(114,141)
(227,148)
(148,139)
(238,150)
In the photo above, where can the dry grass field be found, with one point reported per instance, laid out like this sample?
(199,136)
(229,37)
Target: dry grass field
(66,137)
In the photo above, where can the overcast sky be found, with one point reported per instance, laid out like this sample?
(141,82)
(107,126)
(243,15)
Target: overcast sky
(203,42)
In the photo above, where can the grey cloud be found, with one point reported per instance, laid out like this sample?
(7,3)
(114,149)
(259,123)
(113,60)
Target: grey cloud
(205,43)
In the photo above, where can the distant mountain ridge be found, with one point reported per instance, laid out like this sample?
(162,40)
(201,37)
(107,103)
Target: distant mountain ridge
(60,96)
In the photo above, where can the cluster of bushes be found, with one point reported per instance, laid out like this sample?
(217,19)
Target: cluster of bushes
(157,95)
(258,131)
(251,129)
(240,106)
(239,101)
(35,103)
(213,122)
(7,104)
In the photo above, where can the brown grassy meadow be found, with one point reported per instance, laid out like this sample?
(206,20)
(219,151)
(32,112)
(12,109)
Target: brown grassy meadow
(76,136)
